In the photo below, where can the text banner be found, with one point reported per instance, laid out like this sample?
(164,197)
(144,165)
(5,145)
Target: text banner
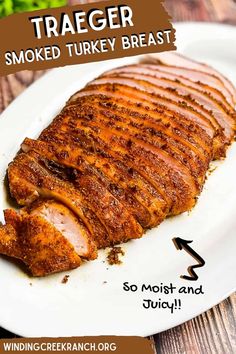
(88,345)
(83,33)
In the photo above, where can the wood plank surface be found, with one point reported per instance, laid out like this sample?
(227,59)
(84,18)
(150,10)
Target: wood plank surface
(215,331)
(211,333)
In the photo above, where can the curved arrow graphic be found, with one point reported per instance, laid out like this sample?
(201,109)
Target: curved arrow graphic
(181,244)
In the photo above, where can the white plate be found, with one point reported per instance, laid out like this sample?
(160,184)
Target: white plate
(93,301)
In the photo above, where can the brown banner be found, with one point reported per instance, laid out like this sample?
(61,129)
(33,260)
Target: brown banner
(88,345)
(83,33)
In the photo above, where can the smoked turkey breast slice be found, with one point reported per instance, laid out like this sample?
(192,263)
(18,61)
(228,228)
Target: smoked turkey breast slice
(37,243)
(72,156)
(60,217)
(69,150)
(224,118)
(165,171)
(189,120)
(65,221)
(209,83)
(205,119)
(171,73)
(157,130)
(179,60)
(144,106)
(30,176)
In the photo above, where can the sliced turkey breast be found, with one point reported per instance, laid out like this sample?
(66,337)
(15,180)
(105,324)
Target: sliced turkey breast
(179,60)
(38,244)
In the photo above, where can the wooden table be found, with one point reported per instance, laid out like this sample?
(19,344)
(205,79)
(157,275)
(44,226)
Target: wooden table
(215,331)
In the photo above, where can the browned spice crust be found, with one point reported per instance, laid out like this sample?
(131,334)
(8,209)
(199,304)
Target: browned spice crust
(113,255)
(65,279)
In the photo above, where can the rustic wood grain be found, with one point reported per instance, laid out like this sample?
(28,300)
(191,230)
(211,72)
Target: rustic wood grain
(12,85)
(214,332)
(153,343)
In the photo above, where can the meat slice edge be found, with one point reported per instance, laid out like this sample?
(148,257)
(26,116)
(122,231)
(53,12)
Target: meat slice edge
(39,245)
(139,155)
(180,60)
(67,224)
(73,153)
(29,178)
(161,71)
(224,118)
(204,118)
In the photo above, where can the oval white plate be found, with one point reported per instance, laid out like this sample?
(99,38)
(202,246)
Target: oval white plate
(93,301)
